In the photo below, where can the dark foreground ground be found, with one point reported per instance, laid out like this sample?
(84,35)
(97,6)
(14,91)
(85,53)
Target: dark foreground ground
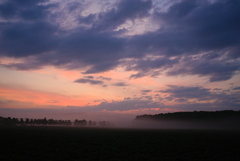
(73,144)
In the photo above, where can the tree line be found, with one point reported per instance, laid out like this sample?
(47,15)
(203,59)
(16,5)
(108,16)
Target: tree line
(192,115)
(52,122)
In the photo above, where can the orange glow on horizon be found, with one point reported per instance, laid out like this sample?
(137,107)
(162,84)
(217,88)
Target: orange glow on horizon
(38,97)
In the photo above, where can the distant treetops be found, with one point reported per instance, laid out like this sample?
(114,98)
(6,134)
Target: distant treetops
(195,115)
(52,122)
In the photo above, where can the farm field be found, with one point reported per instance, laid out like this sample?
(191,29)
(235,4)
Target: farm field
(83,144)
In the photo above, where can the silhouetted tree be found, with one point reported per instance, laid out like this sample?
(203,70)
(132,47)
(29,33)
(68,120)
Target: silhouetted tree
(21,121)
(90,123)
(27,121)
(31,121)
(1,120)
(80,122)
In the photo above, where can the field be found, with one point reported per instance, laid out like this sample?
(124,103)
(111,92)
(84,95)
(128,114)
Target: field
(73,144)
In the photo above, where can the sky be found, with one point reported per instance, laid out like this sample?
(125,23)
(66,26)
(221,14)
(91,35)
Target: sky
(116,59)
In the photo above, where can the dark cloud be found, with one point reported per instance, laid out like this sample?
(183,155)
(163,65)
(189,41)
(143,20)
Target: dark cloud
(104,78)
(100,52)
(89,19)
(218,69)
(101,67)
(146,91)
(188,29)
(24,9)
(120,84)
(193,27)
(236,88)
(129,104)
(89,77)
(36,13)
(185,95)
(7,10)
(138,75)
(208,25)
(21,39)
(26,30)
(150,66)
(125,10)
(21,66)
(74,6)
(181,92)
(217,89)
(90,81)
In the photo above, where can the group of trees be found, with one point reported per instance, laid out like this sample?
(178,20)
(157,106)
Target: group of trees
(194,115)
(91,123)
(52,122)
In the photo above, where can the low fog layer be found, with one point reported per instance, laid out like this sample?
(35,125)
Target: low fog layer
(228,124)
(227,119)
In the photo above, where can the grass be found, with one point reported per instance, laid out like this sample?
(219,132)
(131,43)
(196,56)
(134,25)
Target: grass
(73,144)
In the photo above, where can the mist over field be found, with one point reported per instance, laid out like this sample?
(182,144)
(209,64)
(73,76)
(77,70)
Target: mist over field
(107,144)
(166,136)
(212,120)
(221,124)
(222,120)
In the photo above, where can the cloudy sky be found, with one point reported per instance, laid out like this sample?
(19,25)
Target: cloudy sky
(105,59)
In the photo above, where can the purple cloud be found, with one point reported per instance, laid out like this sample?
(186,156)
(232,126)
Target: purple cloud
(89,80)
(120,84)
(195,38)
